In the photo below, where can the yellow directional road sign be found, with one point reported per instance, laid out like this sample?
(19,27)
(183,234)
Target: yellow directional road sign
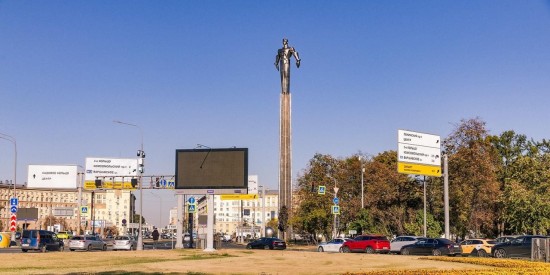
(238,197)
(419,169)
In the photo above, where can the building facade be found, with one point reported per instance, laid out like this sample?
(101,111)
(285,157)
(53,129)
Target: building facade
(241,217)
(59,208)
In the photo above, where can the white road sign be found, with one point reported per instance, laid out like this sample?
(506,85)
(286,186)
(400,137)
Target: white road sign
(419,154)
(52,176)
(110,167)
(420,139)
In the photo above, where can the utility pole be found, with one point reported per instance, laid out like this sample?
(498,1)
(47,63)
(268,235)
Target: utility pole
(446,194)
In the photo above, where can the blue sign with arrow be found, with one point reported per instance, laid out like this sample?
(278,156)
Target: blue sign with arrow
(335,200)
(192,200)
(13,209)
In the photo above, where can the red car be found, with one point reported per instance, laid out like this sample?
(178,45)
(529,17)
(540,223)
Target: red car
(368,244)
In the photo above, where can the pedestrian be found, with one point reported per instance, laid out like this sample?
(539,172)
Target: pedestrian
(155,237)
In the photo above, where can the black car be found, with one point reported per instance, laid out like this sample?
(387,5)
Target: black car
(429,246)
(519,247)
(267,243)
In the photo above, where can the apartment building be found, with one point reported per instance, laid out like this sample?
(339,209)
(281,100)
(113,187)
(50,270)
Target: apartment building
(110,207)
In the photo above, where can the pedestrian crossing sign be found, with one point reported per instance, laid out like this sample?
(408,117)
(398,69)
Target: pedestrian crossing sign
(336,210)
(192,208)
(322,190)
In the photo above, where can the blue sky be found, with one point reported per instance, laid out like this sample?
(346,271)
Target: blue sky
(201,72)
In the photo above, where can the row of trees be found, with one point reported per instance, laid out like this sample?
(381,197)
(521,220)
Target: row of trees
(498,184)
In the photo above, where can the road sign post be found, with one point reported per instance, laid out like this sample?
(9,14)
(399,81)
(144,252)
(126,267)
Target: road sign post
(419,154)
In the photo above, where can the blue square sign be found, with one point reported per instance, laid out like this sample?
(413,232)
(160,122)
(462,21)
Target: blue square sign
(14,201)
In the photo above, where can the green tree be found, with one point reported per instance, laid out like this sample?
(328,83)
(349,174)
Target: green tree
(473,189)
(416,226)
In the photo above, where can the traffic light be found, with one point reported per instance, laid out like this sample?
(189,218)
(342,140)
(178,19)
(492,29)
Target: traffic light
(134,183)
(157,182)
(98,184)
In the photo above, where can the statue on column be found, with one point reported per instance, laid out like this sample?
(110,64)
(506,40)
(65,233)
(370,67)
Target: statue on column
(282,60)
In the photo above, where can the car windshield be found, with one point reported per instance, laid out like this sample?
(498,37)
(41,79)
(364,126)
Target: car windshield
(77,238)
(384,238)
(118,238)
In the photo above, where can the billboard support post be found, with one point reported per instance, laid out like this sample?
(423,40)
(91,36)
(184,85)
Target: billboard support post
(210,224)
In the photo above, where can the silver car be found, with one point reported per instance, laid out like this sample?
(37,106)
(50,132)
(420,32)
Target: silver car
(124,243)
(87,242)
(397,243)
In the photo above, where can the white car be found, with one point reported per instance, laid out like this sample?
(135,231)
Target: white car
(400,241)
(124,243)
(332,245)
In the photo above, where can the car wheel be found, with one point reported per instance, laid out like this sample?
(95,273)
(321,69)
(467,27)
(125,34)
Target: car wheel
(71,249)
(266,246)
(248,246)
(114,249)
(24,250)
(345,249)
(320,249)
(43,249)
(482,253)
(436,252)
(89,247)
(340,250)
(405,251)
(104,247)
(369,250)
(131,247)
(61,248)
(500,253)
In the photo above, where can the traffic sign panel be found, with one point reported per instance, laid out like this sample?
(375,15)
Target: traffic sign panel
(13,209)
(192,200)
(336,210)
(322,190)
(336,200)
(14,201)
(419,169)
(192,208)
(416,138)
(163,182)
(419,154)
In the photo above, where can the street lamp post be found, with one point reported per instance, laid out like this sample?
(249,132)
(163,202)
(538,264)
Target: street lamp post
(362,186)
(12,140)
(141,154)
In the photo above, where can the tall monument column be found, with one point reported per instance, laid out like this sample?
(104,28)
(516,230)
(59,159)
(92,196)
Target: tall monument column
(282,63)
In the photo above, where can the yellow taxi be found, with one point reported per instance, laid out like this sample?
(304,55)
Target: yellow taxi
(64,235)
(477,247)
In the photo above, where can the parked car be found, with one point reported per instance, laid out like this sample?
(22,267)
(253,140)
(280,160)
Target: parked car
(397,243)
(64,234)
(124,243)
(333,245)
(429,246)
(368,244)
(505,239)
(519,247)
(41,240)
(477,247)
(87,242)
(267,243)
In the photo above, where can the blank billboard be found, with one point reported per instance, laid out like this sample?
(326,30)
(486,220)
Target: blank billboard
(212,171)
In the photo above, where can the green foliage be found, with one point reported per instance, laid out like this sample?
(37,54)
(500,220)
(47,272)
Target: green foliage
(416,227)
(497,185)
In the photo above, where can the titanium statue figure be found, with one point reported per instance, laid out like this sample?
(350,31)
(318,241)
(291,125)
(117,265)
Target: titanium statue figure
(283,60)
